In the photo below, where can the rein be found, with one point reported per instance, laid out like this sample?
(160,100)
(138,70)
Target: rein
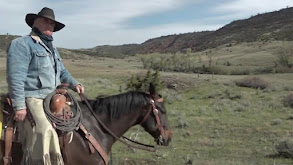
(143,147)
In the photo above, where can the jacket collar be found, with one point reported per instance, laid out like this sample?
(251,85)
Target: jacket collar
(37,39)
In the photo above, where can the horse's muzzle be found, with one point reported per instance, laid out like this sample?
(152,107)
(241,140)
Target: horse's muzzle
(164,140)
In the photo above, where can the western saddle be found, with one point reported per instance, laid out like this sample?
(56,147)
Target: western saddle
(59,107)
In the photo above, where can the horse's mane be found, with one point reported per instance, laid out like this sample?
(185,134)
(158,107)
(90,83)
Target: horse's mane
(124,103)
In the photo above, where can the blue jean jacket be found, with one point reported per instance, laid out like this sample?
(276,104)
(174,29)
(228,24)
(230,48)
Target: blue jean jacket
(33,71)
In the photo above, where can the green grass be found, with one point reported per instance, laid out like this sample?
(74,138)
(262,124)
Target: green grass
(214,122)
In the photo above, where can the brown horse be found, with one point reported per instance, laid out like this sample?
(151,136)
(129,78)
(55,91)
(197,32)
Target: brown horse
(119,113)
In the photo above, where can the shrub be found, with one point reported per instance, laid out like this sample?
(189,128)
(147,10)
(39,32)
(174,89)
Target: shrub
(284,55)
(141,83)
(285,148)
(288,100)
(253,82)
(232,94)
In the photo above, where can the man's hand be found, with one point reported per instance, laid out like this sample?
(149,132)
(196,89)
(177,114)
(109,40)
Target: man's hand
(62,88)
(20,115)
(79,88)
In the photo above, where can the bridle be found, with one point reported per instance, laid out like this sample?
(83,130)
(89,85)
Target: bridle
(156,114)
(143,146)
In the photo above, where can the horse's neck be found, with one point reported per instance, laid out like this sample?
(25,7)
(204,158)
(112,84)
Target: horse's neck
(117,126)
(121,125)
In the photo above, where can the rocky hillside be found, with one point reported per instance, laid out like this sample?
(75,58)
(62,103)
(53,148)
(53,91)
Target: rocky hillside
(262,27)
(276,25)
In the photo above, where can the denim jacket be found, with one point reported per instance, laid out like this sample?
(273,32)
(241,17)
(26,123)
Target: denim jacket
(33,71)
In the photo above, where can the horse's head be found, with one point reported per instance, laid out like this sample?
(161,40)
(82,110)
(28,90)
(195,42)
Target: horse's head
(155,120)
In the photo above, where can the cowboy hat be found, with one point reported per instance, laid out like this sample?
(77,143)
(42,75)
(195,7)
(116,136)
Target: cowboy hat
(46,13)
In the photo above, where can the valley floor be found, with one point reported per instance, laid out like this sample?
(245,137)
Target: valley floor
(214,121)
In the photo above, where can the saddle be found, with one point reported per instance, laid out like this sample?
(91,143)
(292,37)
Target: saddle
(60,107)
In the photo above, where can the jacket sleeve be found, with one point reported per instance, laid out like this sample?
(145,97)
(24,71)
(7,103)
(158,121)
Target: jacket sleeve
(18,59)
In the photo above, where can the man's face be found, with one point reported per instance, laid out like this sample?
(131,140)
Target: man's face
(45,25)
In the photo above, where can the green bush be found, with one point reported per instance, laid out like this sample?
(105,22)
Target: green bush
(140,83)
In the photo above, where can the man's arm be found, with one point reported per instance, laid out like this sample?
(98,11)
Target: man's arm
(18,59)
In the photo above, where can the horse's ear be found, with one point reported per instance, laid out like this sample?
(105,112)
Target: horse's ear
(152,89)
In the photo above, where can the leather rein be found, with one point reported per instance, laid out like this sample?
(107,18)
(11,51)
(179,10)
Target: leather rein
(143,146)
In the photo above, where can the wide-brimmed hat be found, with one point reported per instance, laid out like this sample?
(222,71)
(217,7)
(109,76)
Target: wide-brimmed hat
(46,13)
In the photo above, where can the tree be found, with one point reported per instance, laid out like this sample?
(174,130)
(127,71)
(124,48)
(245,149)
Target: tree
(134,83)
(157,82)
(211,56)
(285,54)
(142,83)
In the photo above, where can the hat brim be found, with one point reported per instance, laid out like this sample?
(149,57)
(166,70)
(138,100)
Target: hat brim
(30,18)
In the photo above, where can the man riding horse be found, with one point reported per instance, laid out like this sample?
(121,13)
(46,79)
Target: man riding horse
(35,69)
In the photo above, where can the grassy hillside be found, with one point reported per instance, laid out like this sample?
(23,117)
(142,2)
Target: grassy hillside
(265,27)
(272,26)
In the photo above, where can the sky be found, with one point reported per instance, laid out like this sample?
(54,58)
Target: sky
(91,23)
